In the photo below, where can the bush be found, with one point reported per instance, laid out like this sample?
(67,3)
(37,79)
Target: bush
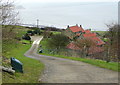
(47,34)
(58,41)
(26,37)
(35,31)
(30,32)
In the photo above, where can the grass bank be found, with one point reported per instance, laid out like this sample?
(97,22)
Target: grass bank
(32,68)
(100,63)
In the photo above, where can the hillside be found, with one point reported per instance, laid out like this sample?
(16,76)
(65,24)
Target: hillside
(14,47)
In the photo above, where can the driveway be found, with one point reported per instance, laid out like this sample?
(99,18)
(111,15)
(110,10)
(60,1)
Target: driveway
(59,70)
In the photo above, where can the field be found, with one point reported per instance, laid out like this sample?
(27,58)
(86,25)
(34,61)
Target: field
(54,32)
(100,32)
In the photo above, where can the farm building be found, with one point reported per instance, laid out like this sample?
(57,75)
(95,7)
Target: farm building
(77,32)
(74,31)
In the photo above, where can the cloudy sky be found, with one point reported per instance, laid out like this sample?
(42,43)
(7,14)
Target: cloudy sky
(90,15)
(24,1)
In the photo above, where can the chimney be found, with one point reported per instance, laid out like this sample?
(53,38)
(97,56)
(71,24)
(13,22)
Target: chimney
(90,29)
(68,26)
(80,25)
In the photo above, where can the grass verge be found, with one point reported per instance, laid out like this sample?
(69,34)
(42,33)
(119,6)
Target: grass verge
(32,68)
(100,63)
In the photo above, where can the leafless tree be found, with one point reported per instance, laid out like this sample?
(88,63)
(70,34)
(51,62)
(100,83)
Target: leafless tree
(85,44)
(8,15)
(113,44)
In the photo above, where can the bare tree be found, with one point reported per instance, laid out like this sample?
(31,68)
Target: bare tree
(8,13)
(8,16)
(113,44)
(85,44)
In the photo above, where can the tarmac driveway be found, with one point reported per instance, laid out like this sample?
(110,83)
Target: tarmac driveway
(59,70)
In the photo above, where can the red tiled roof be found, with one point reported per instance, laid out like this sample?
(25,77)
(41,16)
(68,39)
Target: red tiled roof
(72,46)
(100,42)
(94,37)
(78,34)
(95,49)
(76,29)
(87,31)
(91,50)
(89,35)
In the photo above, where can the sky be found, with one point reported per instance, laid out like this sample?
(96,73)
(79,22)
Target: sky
(29,1)
(99,14)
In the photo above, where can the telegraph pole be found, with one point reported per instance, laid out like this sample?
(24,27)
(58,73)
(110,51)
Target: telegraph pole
(37,23)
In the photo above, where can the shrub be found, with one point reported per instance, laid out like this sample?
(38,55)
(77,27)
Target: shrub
(30,32)
(26,37)
(58,41)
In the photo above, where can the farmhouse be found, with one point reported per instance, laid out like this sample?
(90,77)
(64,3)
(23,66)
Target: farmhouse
(94,37)
(77,32)
(74,31)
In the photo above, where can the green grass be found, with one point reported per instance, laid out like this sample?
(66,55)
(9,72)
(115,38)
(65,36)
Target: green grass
(100,63)
(20,32)
(32,68)
(55,32)
(12,43)
(100,32)
(25,41)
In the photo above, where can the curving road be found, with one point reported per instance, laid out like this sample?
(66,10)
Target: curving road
(59,70)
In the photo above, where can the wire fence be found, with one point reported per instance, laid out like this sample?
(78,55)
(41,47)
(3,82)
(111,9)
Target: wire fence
(77,53)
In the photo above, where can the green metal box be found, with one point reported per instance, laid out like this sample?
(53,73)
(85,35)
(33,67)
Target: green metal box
(16,65)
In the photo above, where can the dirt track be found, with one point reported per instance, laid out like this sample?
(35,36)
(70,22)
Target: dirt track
(59,70)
